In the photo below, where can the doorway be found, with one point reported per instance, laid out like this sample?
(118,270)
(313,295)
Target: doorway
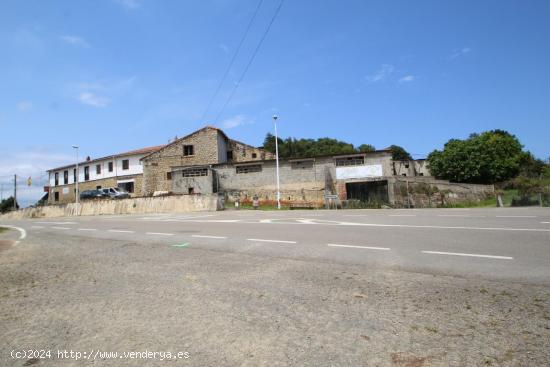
(373,192)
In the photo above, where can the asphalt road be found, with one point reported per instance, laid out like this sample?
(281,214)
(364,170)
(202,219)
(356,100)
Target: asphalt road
(506,244)
(414,288)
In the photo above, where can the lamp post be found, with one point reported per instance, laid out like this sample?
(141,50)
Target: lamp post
(77,194)
(275,117)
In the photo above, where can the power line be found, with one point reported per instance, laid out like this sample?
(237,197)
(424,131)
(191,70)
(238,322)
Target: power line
(232,60)
(250,61)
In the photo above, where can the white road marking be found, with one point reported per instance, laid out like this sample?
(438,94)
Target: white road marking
(516,216)
(159,234)
(22,232)
(545,222)
(87,229)
(205,236)
(462,216)
(60,227)
(469,255)
(362,247)
(37,227)
(275,241)
(402,215)
(55,223)
(120,231)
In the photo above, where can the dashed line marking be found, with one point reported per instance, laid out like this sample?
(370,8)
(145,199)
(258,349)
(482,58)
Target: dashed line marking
(120,231)
(361,247)
(274,241)
(159,234)
(545,222)
(206,236)
(516,216)
(60,227)
(462,216)
(55,223)
(87,229)
(402,215)
(37,227)
(468,255)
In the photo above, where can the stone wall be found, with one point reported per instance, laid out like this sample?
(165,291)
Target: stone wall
(244,152)
(163,204)
(428,192)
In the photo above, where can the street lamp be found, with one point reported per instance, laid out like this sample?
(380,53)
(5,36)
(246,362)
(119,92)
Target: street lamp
(76,177)
(275,117)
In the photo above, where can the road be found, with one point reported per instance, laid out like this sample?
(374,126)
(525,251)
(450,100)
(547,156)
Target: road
(511,244)
(370,287)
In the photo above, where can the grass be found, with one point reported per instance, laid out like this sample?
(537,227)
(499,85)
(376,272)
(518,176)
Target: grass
(3,229)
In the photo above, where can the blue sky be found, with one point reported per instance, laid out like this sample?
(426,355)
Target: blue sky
(115,75)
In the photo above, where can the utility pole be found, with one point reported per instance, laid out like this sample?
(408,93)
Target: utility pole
(77,193)
(15,192)
(1,192)
(275,117)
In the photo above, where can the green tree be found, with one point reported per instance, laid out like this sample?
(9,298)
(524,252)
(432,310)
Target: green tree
(7,204)
(365,148)
(299,148)
(489,157)
(399,153)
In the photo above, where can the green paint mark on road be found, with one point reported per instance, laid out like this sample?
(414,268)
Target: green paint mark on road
(181,245)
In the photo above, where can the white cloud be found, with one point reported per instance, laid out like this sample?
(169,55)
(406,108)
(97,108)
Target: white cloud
(24,106)
(91,99)
(75,41)
(385,71)
(407,79)
(129,4)
(460,52)
(235,121)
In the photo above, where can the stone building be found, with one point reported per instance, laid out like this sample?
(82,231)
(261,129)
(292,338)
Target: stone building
(204,147)
(120,170)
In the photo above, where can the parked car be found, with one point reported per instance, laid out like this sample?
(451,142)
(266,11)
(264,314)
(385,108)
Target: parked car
(115,193)
(92,194)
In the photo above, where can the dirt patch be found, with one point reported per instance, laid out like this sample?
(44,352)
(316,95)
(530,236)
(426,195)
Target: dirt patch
(5,244)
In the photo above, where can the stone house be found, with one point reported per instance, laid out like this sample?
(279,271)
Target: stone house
(202,148)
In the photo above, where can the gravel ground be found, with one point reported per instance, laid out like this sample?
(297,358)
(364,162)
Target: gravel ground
(235,309)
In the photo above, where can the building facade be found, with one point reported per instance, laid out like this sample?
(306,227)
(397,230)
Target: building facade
(121,170)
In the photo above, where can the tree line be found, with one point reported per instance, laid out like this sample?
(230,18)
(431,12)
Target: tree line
(302,148)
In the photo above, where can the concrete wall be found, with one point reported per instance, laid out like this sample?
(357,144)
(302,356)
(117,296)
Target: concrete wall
(163,204)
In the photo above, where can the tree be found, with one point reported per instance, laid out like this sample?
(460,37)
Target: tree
(7,204)
(399,153)
(530,166)
(300,148)
(489,157)
(365,148)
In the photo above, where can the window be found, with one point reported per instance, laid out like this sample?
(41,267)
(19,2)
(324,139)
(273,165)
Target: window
(110,166)
(249,169)
(127,186)
(86,173)
(74,175)
(350,161)
(244,152)
(421,174)
(194,172)
(301,164)
(254,155)
(407,165)
(230,155)
(56,196)
(125,164)
(188,150)
(191,190)
(57,179)
(98,169)
(168,175)
(98,187)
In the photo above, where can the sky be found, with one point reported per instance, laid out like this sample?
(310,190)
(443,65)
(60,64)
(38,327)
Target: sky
(116,75)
